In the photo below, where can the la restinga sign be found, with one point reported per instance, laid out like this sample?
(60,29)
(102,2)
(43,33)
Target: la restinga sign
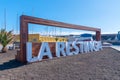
(63,48)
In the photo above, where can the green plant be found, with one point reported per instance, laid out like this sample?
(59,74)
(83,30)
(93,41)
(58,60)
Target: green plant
(5,38)
(56,39)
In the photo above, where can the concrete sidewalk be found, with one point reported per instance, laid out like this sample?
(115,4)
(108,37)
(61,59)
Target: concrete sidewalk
(116,47)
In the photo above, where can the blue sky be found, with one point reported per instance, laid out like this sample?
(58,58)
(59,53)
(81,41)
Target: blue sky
(104,14)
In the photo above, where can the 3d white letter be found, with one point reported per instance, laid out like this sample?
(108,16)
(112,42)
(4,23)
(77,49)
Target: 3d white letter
(44,50)
(29,53)
(80,46)
(100,45)
(96,46)
(68,48)
(86,46)
(60,46)
(91,46)
(75,47)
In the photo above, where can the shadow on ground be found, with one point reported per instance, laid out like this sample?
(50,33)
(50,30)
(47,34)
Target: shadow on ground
(11,64)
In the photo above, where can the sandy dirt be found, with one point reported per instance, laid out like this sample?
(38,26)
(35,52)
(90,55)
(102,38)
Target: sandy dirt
(101,65)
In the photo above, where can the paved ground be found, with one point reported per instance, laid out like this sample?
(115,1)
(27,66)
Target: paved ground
(102,65)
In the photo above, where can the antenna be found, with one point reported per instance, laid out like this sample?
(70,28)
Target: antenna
(17,24)
(32,15)
(5,18)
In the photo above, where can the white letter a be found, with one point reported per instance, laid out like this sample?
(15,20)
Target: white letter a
(44,51)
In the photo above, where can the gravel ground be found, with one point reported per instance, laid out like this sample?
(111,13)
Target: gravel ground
(102,65)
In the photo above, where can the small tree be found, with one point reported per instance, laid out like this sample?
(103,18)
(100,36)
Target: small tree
(5,38)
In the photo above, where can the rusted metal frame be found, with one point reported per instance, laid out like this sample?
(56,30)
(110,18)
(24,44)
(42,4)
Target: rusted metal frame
(24,20)
(98,35)
(23,39)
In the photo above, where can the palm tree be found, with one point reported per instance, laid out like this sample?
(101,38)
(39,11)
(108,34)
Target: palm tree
(5,38)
